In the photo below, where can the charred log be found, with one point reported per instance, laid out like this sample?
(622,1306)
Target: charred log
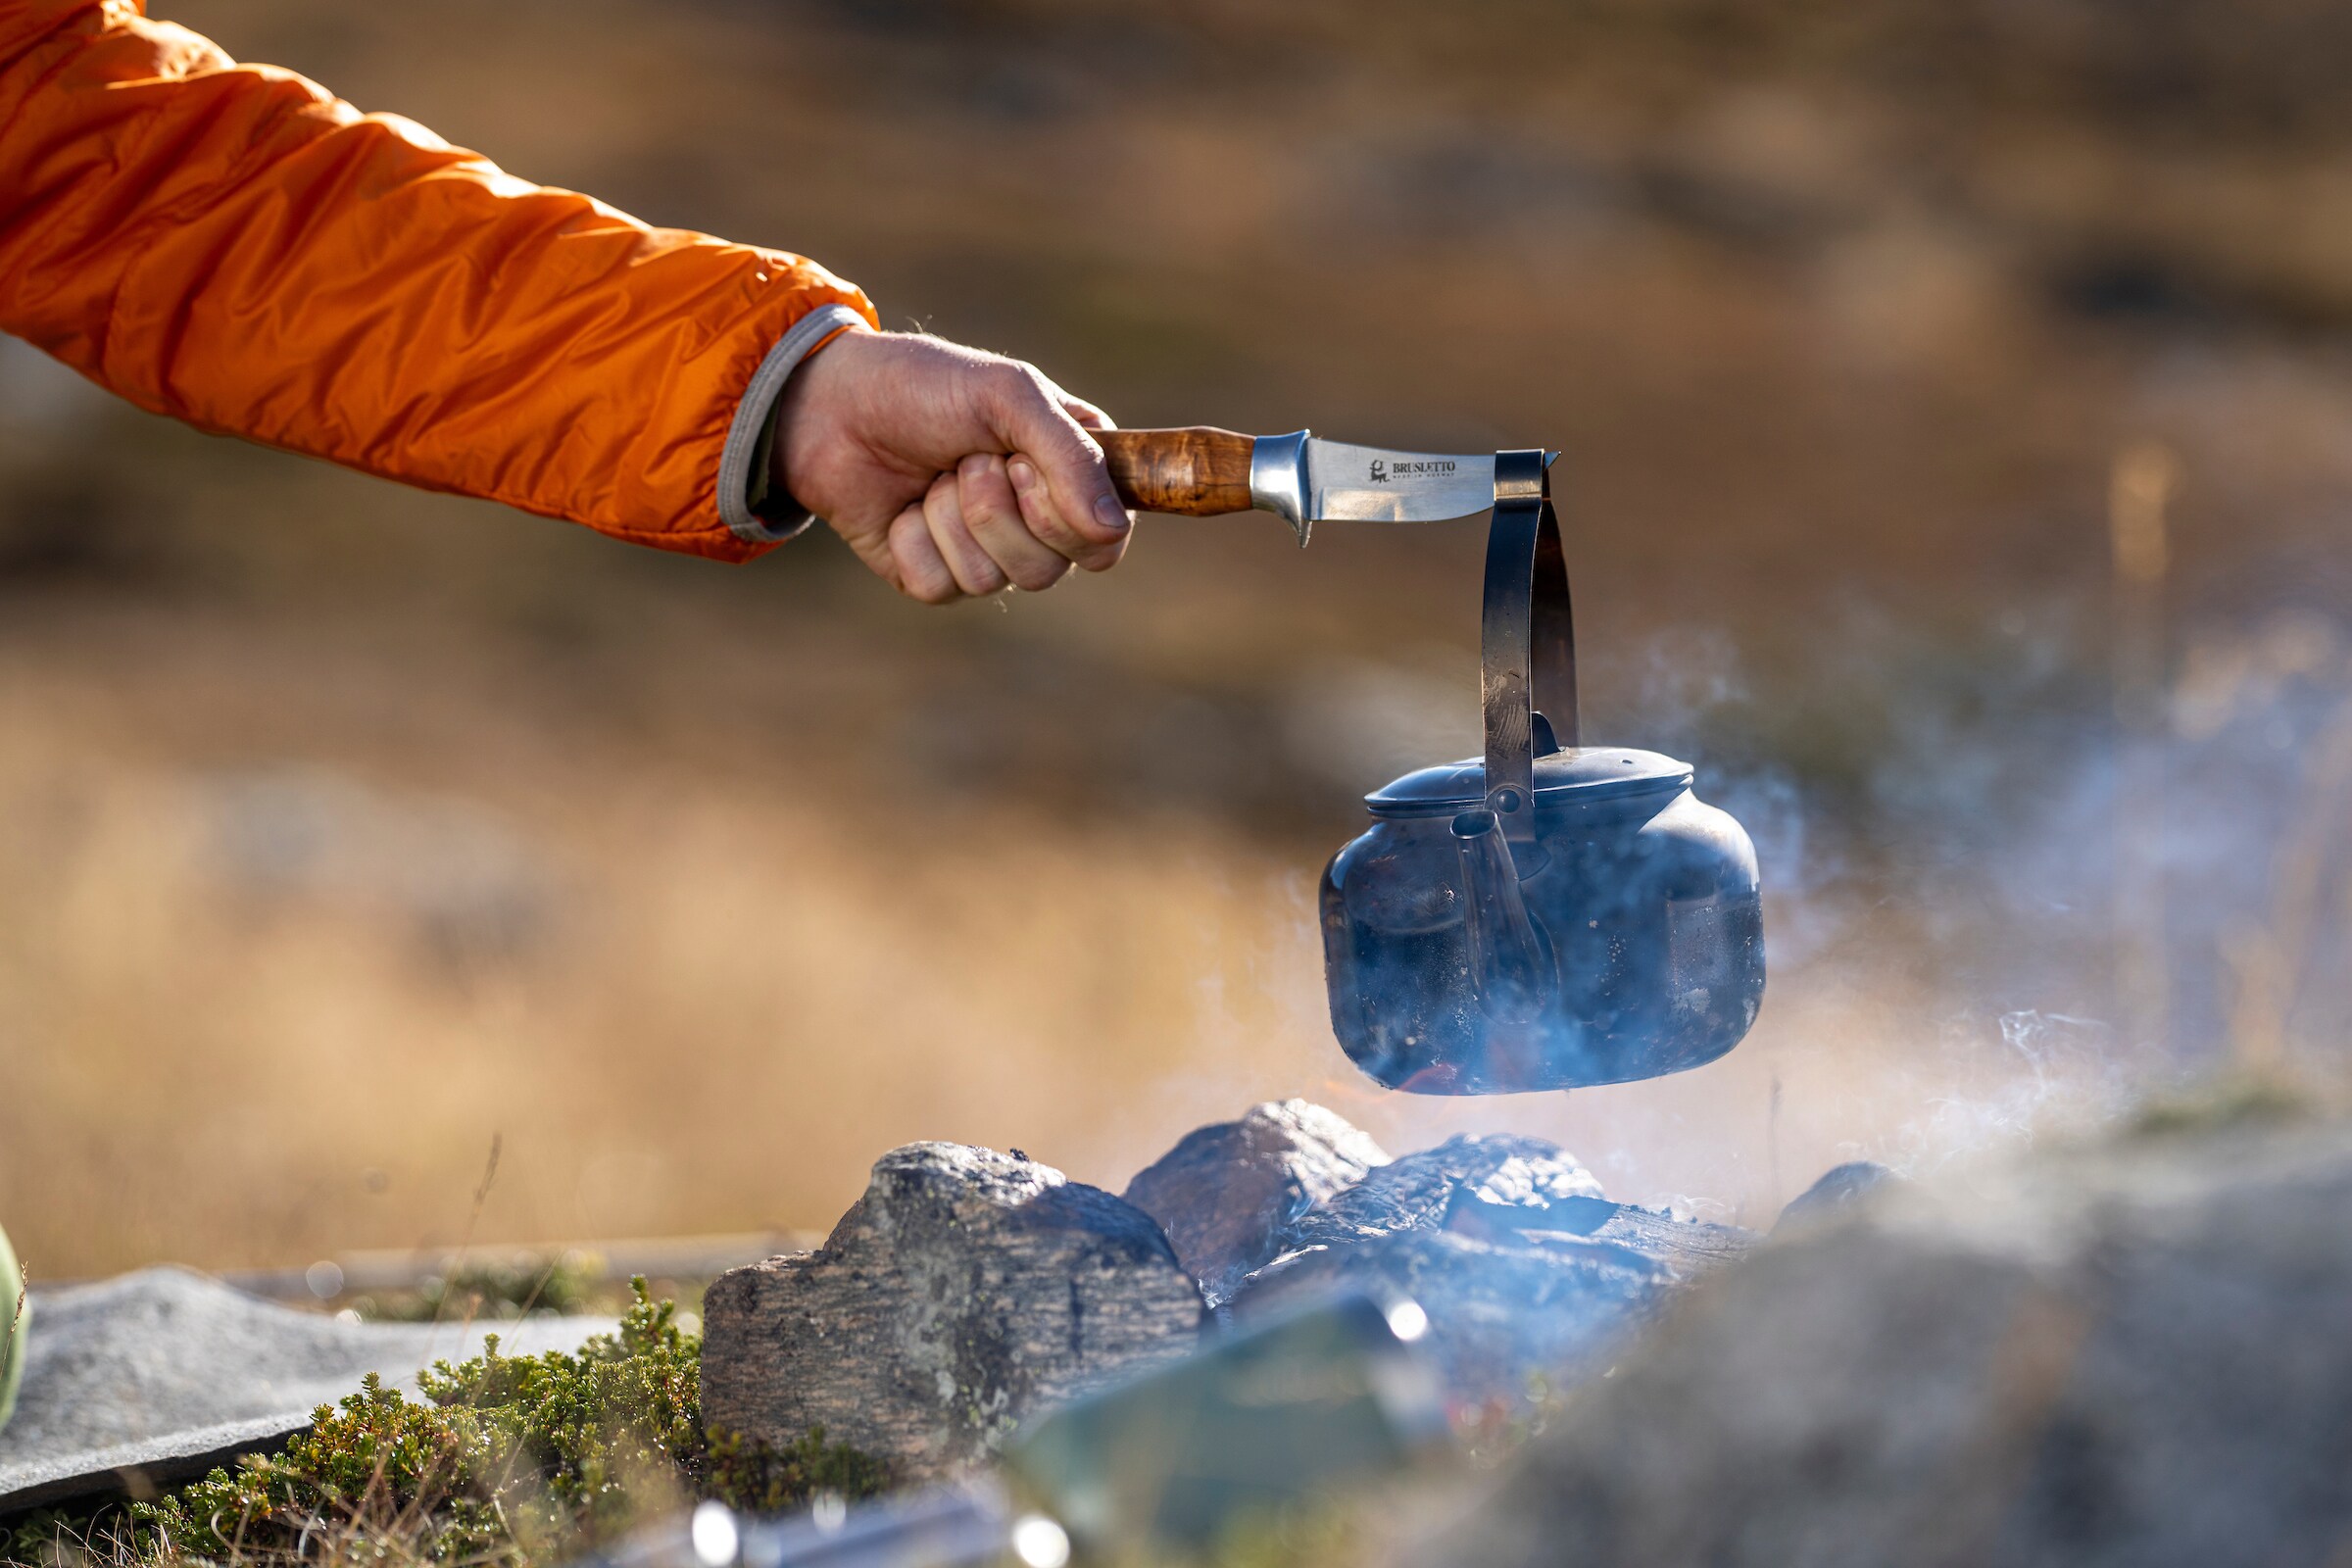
(1526,1271)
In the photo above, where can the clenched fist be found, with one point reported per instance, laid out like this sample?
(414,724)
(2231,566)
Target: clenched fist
(950,471)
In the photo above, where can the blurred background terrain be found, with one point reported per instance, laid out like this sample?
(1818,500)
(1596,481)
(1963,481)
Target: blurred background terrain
(344,827)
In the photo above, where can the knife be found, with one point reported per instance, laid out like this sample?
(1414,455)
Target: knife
(1205,473)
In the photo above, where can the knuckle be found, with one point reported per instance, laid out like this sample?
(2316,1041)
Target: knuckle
(982,482)
(1027,383)
(994,514)
(976,573)
(1036,577)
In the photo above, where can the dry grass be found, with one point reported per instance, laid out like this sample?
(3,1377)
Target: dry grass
(297,919)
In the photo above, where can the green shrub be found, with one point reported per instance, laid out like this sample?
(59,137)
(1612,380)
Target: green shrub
(576,1446)
(375,1466)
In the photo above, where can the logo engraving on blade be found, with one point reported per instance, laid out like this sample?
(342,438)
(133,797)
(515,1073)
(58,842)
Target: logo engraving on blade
(1384,470)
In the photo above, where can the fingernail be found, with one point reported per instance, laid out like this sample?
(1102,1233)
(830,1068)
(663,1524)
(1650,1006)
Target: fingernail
(1024,476)
(1109,514)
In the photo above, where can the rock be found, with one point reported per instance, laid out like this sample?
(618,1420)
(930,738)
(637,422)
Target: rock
(166,1372)
(965,1290)
(2139,1356)
(1840,1189)
(1496,1171)
(1225,1191)
(1524,1269)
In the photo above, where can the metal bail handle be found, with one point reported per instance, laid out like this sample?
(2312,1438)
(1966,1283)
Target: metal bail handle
(1529,676)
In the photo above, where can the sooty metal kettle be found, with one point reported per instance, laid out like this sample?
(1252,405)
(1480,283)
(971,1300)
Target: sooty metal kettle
(1552,915)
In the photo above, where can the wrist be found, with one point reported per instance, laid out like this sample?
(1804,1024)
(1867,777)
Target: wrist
(755,499)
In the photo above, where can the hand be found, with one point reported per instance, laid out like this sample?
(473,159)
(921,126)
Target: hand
(950,471)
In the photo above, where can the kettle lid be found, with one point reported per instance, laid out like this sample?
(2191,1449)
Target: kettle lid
(1586,772)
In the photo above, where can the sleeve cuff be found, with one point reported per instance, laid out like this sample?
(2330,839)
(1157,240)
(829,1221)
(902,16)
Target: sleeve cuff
(747,437)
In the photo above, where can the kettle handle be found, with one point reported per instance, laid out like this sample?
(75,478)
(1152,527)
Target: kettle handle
(1527,682)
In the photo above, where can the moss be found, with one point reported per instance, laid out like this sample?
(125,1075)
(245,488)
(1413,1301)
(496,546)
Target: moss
(1340,1530)
(2227,1102)
(748,1473)
(1324,1534)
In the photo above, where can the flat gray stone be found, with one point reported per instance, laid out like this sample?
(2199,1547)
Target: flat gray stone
(1526,1271)
(966,1291)
(163,1373)
(2139,1358)
(1225,1193)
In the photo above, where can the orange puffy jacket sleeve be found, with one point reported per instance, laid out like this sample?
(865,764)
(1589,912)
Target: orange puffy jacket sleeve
(233,246)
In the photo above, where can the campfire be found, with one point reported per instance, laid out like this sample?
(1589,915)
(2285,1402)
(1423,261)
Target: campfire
(969,1291)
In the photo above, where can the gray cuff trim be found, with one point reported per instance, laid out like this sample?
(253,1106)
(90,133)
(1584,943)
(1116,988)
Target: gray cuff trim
(744,448)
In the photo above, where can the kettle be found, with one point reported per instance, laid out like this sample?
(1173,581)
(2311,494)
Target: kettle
(1552,915)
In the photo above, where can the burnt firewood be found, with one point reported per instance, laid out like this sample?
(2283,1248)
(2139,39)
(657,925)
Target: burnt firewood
(1499,1171)
(964,1291)
(1526,1271)
(1500,1317)
(1225,1191)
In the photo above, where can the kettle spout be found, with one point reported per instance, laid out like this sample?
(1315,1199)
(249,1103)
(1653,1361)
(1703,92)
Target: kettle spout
(1509,961)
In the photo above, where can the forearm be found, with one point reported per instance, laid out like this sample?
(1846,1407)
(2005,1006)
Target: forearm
(234,247)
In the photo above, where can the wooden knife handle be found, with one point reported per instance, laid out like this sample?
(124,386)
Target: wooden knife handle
(1194,472)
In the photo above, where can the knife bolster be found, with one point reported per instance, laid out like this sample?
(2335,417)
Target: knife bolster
(1278,479)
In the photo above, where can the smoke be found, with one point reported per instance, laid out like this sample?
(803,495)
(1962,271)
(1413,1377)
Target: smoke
(2035,1074)
(2168,897)
(1995,909)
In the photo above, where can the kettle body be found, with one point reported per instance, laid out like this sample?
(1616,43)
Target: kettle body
(1638,948)
(1548,915)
